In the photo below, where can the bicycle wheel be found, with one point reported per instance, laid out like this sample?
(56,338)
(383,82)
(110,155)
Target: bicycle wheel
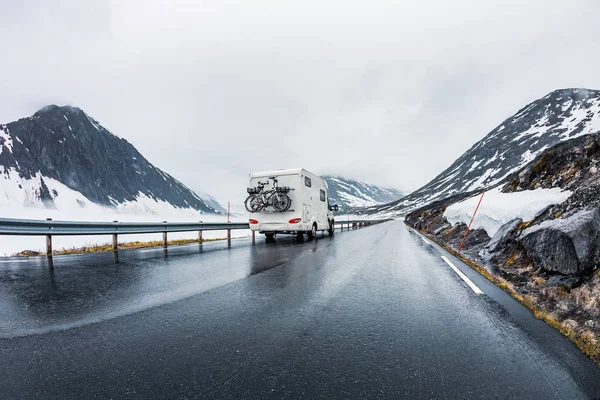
(288,200)
(253,204)
(281,202)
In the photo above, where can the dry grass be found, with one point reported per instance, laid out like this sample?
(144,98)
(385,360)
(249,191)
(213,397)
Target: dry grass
(450,231)
(121,246)
(538,281)
(586,297)
(523,225)
(511,261)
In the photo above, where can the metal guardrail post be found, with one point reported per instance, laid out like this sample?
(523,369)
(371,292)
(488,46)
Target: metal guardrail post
(49,242)
(115,240)
(165,236)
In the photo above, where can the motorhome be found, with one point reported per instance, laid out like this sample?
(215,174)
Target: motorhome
(292,201)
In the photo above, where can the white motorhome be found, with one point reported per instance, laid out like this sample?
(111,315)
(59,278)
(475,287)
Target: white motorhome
(308,212)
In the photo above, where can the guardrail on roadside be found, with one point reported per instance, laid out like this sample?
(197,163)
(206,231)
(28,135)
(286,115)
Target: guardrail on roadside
(49,228)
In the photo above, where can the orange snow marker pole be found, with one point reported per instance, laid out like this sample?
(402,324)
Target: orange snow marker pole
(469,227)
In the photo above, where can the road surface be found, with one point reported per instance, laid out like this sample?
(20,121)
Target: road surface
(369,313)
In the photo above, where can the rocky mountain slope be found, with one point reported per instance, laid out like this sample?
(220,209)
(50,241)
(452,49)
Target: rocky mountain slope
(212,202)
(550,259)
(349,193)
(62,158)
(559,116)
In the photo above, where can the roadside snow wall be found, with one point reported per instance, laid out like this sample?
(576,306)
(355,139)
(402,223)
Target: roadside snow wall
(498,208)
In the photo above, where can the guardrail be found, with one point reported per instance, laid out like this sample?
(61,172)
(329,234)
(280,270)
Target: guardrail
(49,228)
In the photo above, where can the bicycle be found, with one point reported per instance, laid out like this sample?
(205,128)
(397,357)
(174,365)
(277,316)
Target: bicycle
(259,199)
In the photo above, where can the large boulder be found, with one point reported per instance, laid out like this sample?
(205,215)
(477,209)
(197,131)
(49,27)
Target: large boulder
(505,233)
(565,245)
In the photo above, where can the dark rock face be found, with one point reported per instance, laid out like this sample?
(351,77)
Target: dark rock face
(564,245)
(65,144)
(505,233)
(553,250)
(560,116)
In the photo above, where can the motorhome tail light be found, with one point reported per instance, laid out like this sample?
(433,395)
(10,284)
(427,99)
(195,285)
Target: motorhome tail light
(295,220)
(253,221)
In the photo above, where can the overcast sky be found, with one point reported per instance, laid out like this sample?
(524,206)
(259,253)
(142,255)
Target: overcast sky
(390,92)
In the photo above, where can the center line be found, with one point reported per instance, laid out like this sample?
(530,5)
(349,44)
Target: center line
(463,276)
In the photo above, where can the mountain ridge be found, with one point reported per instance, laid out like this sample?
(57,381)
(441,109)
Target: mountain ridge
(559,116)
(350,193)
(61,148)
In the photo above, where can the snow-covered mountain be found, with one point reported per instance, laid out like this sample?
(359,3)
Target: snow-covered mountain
(349,193)
(559,116)
(212,202)
(61,158)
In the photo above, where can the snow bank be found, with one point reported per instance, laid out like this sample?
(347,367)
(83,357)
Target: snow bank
(19,198)
(13,244)
(498,208)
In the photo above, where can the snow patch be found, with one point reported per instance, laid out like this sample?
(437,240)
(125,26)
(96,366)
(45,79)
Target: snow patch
(498,208)
(93,122)
(475,165)
(8,142)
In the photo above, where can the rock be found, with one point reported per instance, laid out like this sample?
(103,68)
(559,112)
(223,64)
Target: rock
(505,232)
(543,211)
(563,280)
(589,323)
(570,323)
(566,245)
(593,170)
(441,229)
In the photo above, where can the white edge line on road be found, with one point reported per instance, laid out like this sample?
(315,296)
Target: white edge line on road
(463,276)
(425,240)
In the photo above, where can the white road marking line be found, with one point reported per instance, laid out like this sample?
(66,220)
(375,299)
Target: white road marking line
(425,240)
(463,276)
(13,261)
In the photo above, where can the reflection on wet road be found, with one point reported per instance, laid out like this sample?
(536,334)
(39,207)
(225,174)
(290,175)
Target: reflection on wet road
(90,288)
(371,313)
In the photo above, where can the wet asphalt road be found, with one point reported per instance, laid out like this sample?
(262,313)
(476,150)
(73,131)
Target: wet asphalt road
(370,313)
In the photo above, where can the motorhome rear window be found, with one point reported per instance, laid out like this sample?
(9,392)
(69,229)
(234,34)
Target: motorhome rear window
(307,181)
(322,195)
